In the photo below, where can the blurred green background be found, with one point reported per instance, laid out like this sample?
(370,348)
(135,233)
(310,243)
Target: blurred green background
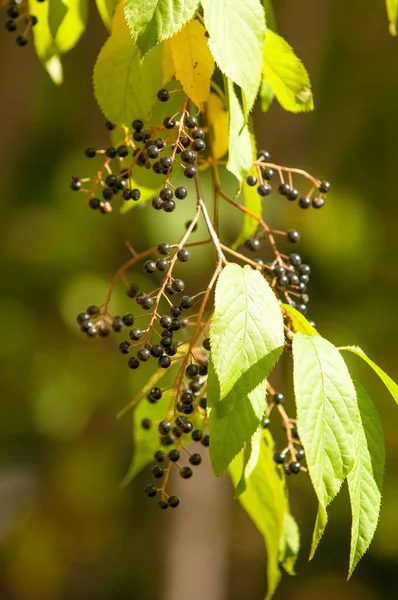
(67,530)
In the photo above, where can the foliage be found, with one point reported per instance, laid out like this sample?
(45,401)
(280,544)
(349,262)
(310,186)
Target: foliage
(213,59)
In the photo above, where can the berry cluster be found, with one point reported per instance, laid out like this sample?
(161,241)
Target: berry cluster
(18,14)
(169,328)
(175,143)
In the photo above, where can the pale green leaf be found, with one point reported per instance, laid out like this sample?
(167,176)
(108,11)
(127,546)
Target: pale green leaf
(386,379)
(289,544)
(298,321)
(237,33)
(106,9)
(266,95)
(251,453)
(265,502)
(286,74)
(152,21)
(366,478)
(232,422)
(239,149)
(246,330)
(134,83)
(193,61)
(392,12)
(59,27)
(327,413)
(252,201)
(319,529)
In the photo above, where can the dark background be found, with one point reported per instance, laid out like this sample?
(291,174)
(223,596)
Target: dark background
(66,528)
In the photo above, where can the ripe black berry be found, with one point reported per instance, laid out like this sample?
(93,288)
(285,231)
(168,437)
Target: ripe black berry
(135,334)
(90,152)
(265,423)
(175,311)
(186,302)
(169,123)
(124,347)
(203,369)
(186,427)
(293,279)
(163,95)
(205,441)
(165,321)
(197,435)
(166,342)
(264,190)
(143,354)
(174,455)
(175,325)
(164,427)
(150,266)
(253,244)
(122,151)
(164,362)
(173,501)
(302,308)
(295,260)
(190,172)
(107,193)
(147,302)
(183,255)
(188,156)
(293,236)
(264,155)
(292,194)
(251,180)
(146,423)
(294,467)
(117,324)
(137,124)
(195,459)
(164,248)
(278,270)
(268,173)
(75,184)
(279,458)
(304,202)
(162,264)
(198,145)
(178,285)
(157,350)
(111,152)
(128,319)
(206,344)
(190,121)
(304,278)
(163,504)
(94,203)
(150,491)
(152,151)
(160,456)
(282,282)
(181,193)
(133,362)
(186,473)
(278,398)
(169,206)
(304,270)
(21,40)
(324,188)
(166,194)
(284,189)
(318,202)
(158,471)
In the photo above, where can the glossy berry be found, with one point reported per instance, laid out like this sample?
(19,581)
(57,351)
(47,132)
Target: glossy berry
(21,40)
(268,173)
(173,501)
(282,282)
(278,270)
(150,266)
(190,121)
(293,236)
(164,427)
(304,270)
(203,369)
(169,123)
(251,180)
(264,155)
(279,458)
(143,354)
(147,302)
(206,344)
(195,459)
(324,188)
(157,350)
(150,491)
(164,248)
(186,473)
(90,152)
(293,279)
(163,95)
(165,321)
(174,455)
(188,156)
(294,467)
(157,471)
(181,193)
(198,134)
(166,194)
(205,441)
(175,325)
(75,184)
(160,456)
(253,244)
(117,324)
(302,308)
(146,423)
(164,362)
(295,259)
(318,202)
(135,334)
(178,285)
(186,302)
(137,125)
(166,342)
(166,162)
(124,347)
(304,278)
(300,453)
(169,206)
(183,255)
(128,319)
(190,172)
(175,311)
(152,151)
(162,264)
(94,203)
(264,190)
(111,152)
(284,189)
(197,435)
(198,145)
(265,423)
(292,194)
(186,427)
(163,504)
(278,398)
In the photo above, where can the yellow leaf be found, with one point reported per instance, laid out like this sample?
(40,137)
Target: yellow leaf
(193,62)
(217,116)
(167,62)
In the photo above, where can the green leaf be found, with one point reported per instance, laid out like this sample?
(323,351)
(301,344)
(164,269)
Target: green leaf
(298,321)
(392,12)
(270,14)
(366,478)
(59,27)
(232,422)
(152,21)
(286,74)
(246,330)
(388,382)
(265,502)
(134,83)
(237,34)
(239,149)
(266,95)
(106,9)
(252,201)
(327,413)
(289,544)
(319,529)
(251,453)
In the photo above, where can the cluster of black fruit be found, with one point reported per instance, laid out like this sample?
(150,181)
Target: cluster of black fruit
(291,464)
(17,13)
(151,148)
(179,430)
